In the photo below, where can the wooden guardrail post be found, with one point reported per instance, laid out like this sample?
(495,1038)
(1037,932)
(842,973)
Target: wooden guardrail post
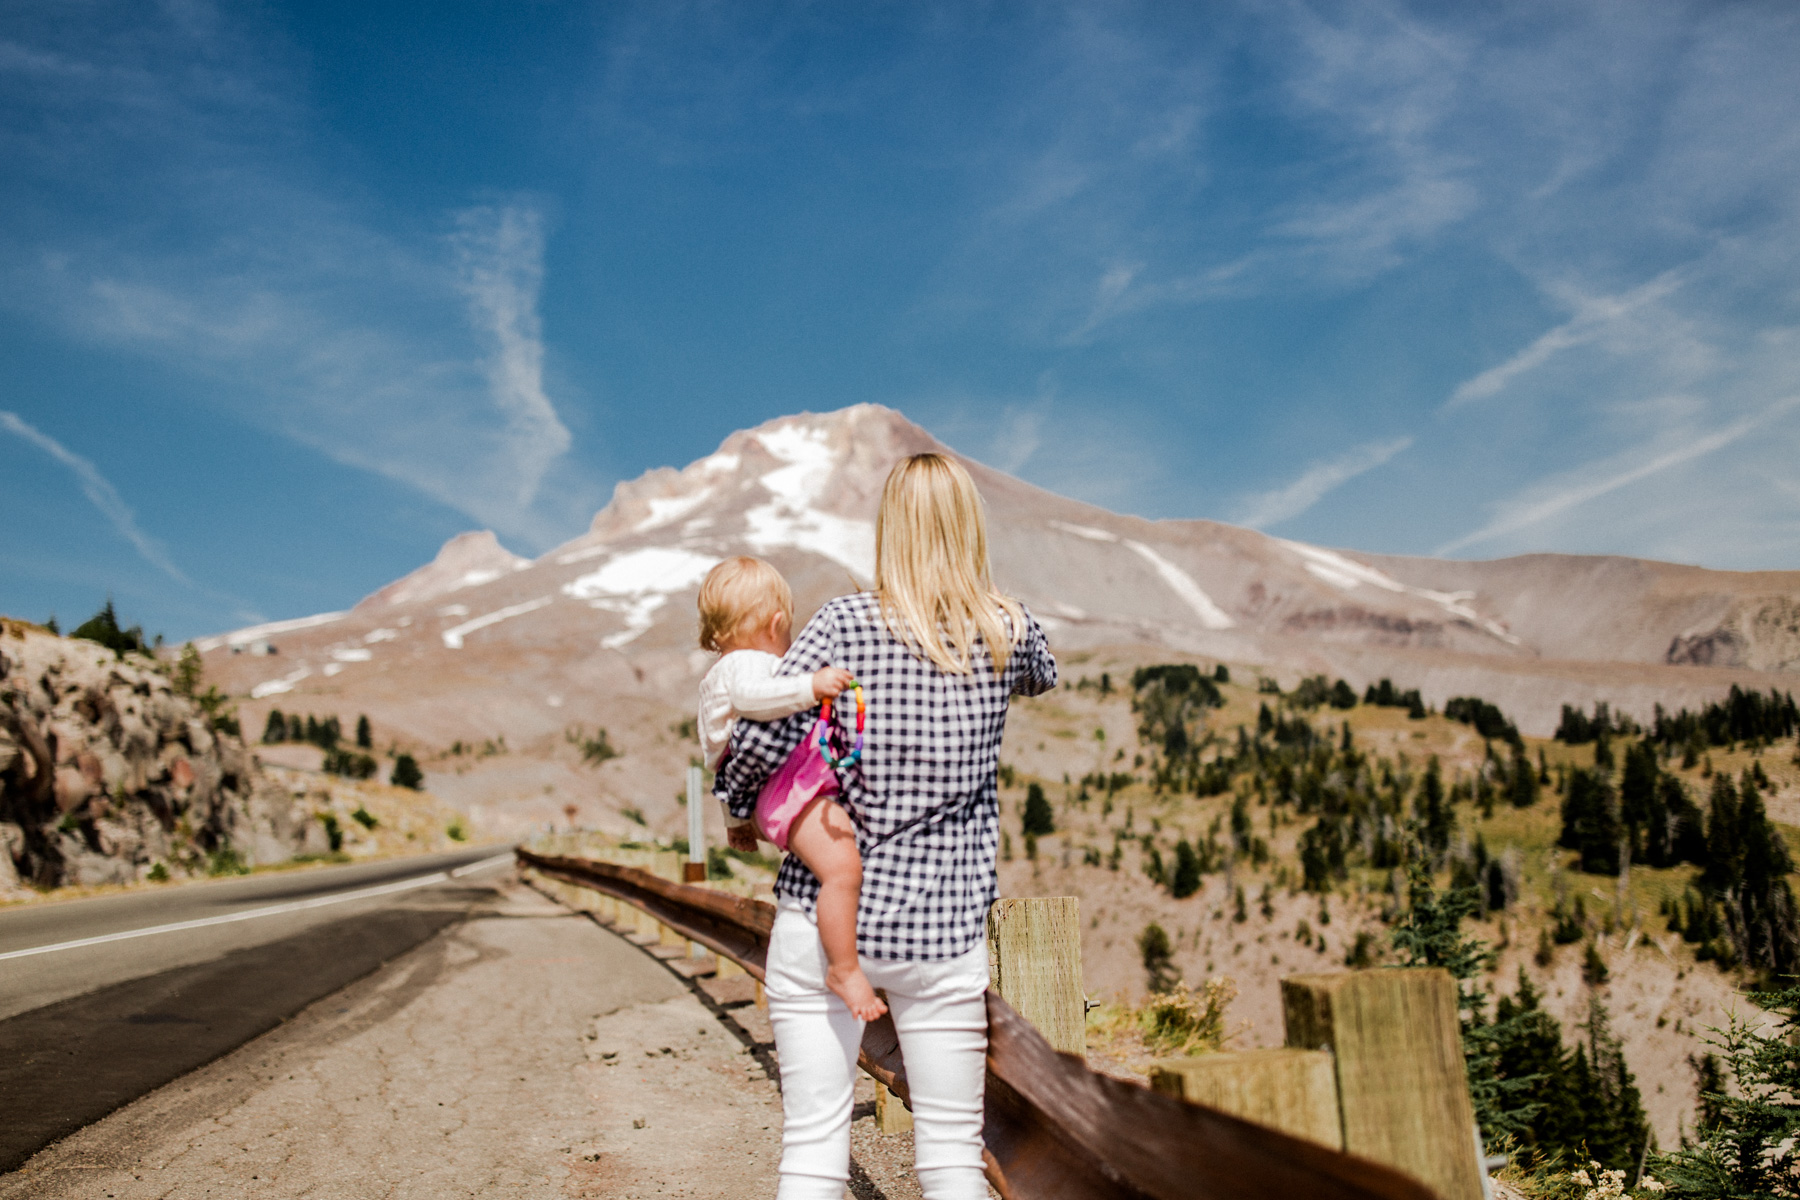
(1294,1091)
(891,1116)
(1034,963)
(1403,1091)
(666,864)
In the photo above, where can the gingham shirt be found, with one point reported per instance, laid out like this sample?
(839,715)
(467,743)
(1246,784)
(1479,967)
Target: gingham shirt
(924,794)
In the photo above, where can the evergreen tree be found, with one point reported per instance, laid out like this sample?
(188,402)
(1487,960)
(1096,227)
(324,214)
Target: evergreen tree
(1590,822)
(1158,957)
(1750,1146)
(185,679)
(275,728)
(1617,1130)
(1039,820)
(364,736)
(406,773)
(103,627)
(1529,1049)
(1186,880)
(1430,935)
(1436,819)
(1522,781)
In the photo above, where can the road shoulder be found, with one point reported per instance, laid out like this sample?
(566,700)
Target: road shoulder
(525,1051)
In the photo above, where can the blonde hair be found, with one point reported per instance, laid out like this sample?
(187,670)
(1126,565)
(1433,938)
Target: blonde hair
(740,593)
(931,567)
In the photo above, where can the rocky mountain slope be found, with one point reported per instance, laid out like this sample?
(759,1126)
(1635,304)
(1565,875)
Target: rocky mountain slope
(519,662)
(108,775)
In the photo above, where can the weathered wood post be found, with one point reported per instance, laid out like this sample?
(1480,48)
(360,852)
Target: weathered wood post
(891,1116)
(1034,963)
(1294,1091)
(666,864)
(1403,1091)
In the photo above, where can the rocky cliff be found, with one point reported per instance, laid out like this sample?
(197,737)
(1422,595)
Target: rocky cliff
(108,774)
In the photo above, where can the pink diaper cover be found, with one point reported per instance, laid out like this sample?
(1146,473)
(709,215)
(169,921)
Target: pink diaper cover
(803,778)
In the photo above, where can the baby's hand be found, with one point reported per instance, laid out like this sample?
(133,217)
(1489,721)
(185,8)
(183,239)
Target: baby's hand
(741,838)
(829,681)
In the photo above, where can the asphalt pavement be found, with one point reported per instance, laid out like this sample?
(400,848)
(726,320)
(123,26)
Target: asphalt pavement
(105,999)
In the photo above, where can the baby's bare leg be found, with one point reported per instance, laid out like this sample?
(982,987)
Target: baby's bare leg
(825,840)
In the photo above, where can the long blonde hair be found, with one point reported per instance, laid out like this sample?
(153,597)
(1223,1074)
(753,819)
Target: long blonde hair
(931,567)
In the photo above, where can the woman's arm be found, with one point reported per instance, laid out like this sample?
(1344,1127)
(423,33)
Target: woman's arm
(1037,666)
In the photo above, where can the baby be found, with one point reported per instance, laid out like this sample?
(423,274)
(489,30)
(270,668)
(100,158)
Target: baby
(747,617)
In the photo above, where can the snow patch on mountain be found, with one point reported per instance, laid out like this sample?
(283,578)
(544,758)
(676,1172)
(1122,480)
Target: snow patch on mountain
(667,509)
(792,519)
(1346,574)
(637,583)
(453,637)
(1178,581)
(256,633)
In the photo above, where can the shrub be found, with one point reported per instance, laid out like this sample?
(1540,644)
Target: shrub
(455,831)
(362,816)
(226,861)
(1180,1021)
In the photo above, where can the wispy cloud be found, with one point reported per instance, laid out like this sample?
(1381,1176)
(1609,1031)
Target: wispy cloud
(1542,502)
(1283,504)
(501,253)
(100,493)
(237,259)
(1593,316)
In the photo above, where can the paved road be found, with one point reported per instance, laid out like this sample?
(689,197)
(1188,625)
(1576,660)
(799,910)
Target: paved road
(106,999)
(522,1052)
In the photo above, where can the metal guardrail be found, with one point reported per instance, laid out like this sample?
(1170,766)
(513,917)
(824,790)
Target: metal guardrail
(1055,1129)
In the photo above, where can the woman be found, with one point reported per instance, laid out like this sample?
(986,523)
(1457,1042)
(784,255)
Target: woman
(940,653)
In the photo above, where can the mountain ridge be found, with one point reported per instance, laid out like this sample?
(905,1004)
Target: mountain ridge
(600,629)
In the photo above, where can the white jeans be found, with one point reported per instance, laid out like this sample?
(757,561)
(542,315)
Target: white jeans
(941,1016)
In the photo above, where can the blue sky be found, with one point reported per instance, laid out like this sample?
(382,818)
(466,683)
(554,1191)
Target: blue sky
(289,293)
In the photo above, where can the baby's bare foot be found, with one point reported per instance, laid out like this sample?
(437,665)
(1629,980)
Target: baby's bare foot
(854,989)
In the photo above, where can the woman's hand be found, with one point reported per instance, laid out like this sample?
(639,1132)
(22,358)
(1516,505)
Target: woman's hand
(828,682)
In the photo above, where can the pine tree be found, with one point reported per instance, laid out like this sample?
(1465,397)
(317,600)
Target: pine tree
(1039,819)
(1158,957)
(364,737)
(275,728)
(1436,819)
(1430,935)
(1590,822)
(1617,1130)
(406,773)
(1522,785)
(103,627)
(1186,880)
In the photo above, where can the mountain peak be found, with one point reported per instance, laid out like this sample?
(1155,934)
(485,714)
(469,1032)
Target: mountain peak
(466,560)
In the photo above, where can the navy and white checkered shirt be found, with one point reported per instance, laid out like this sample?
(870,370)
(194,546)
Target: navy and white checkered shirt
(924,794)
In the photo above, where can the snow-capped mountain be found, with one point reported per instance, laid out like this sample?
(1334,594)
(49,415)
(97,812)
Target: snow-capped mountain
(600,630)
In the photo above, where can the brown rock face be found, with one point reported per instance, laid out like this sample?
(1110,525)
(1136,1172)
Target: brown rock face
(105,771)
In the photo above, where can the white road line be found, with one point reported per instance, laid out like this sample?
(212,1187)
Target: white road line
(483,865)
(271,910)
